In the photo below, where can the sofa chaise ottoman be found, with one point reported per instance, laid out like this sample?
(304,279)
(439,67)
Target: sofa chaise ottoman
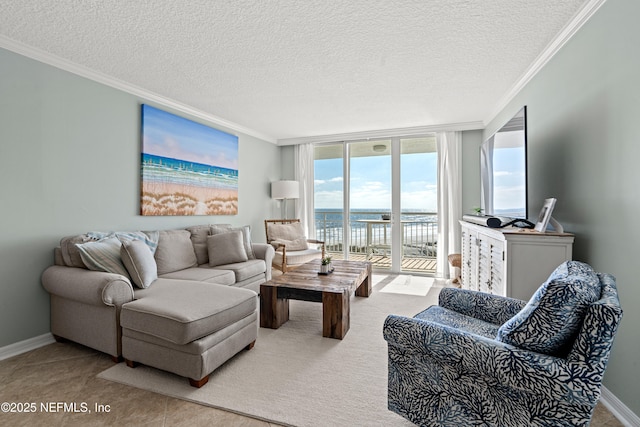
(188,328)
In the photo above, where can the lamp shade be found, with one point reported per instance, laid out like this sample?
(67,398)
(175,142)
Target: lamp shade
(285,190)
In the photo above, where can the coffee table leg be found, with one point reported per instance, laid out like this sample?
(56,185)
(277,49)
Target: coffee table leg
(365,288)
(273,311)
(335,314)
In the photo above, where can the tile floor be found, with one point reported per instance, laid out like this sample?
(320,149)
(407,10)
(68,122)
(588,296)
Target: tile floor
(66,373)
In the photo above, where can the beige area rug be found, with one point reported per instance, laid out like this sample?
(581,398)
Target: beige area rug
(294,376)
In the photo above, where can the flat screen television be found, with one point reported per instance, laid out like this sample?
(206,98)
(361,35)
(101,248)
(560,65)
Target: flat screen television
(503,170)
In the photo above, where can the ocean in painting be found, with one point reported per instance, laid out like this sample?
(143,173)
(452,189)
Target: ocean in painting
(166,170)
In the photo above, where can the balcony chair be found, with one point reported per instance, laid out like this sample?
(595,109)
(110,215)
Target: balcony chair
(481,359)
(292,246)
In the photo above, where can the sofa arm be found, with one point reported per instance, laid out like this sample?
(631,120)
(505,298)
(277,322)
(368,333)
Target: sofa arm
(266,252)
(512,367)
(487,307)
(86,286)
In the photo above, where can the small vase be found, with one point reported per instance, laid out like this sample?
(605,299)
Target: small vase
(325,268)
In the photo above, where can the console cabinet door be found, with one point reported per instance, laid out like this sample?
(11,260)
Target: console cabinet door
(469,256)
(490,265)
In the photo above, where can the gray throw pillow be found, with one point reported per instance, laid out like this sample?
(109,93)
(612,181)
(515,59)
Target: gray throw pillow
(175,251)
(226,248)
(246,236)
(138,259)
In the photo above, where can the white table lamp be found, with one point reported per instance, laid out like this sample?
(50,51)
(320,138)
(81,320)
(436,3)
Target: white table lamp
(285,190)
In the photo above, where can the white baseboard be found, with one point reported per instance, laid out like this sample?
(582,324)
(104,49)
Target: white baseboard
(619,409)
(26,345)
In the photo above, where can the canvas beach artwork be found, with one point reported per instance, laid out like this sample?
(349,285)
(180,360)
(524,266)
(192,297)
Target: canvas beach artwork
(187,168)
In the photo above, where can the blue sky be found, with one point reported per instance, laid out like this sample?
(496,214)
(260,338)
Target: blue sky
(371,182)
(165,134)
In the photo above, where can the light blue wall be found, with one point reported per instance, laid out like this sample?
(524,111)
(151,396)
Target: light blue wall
(69,163)
(471,141)
(584,146)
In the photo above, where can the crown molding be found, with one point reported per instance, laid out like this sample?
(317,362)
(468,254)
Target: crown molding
(383,133)
(579,19)
(97,76)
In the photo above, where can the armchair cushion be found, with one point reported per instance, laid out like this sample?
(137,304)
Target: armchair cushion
(297,257)
(292,231)
(453,319)
(552,318)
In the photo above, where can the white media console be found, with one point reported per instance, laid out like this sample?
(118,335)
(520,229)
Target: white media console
(510,261)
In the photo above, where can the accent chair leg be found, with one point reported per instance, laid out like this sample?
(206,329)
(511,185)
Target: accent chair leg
(116,359)
(250,345)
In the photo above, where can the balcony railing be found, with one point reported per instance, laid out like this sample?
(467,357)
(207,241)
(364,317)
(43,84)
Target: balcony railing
(370,236)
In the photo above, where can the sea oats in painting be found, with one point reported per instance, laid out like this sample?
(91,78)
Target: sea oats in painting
(187,168)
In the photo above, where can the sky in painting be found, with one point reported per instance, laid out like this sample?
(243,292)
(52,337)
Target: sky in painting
(167,135)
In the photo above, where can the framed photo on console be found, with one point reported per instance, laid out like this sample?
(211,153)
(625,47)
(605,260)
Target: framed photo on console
(545,215)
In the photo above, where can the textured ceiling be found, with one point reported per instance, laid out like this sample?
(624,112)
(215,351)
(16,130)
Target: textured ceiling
(304,68)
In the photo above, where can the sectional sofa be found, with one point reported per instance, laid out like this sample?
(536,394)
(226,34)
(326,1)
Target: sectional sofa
(182,300)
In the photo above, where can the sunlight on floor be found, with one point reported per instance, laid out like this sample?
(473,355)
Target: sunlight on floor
(403,284)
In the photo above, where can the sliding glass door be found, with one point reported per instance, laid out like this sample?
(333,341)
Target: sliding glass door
(387,189)
(369,201)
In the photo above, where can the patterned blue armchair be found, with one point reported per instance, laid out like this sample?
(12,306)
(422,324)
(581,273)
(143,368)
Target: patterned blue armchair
(480,359)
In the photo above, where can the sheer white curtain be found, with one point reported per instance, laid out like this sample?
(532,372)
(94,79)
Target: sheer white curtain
(486,166)
(304,157)
(449,147)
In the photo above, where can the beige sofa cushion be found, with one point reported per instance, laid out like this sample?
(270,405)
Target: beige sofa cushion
(175,251)
(182,311)
(199,235)
(246,270)
(138,259)
(226,248)
(203,273)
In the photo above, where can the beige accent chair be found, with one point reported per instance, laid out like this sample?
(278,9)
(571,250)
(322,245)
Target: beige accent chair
(290,243)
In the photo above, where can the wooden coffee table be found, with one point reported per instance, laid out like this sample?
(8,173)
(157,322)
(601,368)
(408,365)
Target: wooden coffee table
(304,283)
